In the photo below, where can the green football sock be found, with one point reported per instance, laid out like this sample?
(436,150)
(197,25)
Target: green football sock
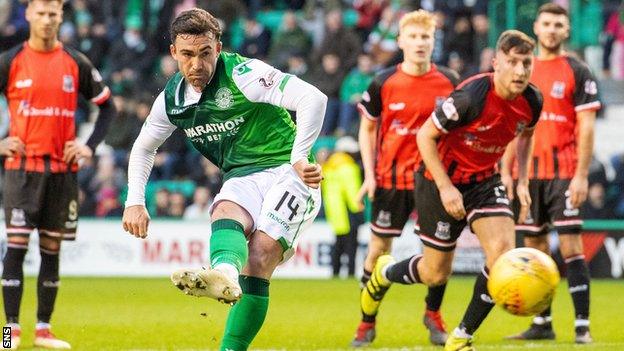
(228,243)
(246,317)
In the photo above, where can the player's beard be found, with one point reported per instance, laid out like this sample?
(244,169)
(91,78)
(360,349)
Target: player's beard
(554,48)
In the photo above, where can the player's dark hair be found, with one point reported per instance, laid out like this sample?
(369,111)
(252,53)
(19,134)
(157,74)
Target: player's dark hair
(553,8)
(195,22)
(512,38)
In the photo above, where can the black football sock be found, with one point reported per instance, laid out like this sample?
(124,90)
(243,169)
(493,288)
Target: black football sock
(13,281)
(480,305)
(47,285)
(405,272)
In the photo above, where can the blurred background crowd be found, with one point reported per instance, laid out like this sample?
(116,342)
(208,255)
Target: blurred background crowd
(336,45)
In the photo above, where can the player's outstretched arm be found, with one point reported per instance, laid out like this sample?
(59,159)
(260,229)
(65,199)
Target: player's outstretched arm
(155,131)
(524,151)
(427,145)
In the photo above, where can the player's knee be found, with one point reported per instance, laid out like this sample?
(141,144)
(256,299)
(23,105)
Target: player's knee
(50,244)
(497,249)
(537,242)
(570,245)
(18,240)
(434,278)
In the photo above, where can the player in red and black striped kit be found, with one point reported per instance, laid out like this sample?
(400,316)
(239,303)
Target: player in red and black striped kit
(42,80)
(461,145)
(398,101)
(560,166)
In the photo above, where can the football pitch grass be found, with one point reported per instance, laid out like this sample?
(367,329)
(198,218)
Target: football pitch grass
(151,314)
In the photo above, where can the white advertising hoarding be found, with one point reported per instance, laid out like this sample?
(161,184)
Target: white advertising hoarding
(104,249)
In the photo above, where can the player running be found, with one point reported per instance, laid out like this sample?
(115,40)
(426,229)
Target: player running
(233,110)
(460,145)
(560,166)
(397,103)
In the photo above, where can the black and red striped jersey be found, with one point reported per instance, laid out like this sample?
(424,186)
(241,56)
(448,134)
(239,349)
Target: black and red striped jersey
(400,103)
(42,92)
(568,87)
(478,124)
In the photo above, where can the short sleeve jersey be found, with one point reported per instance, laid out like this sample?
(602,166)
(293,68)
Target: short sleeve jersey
(42,91)
(568,87)
(400,103)
(478,124)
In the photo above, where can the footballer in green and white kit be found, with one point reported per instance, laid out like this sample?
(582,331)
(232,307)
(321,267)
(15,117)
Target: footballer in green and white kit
(234,111)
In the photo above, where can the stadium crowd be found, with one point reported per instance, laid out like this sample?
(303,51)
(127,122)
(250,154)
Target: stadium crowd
(336,45)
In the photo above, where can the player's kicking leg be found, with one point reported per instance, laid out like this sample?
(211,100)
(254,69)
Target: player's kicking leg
(496,235)
(228,255)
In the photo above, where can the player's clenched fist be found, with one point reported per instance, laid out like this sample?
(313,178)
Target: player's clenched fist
(453,201)
(135,220)
(309,173)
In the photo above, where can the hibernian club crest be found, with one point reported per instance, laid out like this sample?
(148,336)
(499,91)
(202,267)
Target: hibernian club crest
(224,98)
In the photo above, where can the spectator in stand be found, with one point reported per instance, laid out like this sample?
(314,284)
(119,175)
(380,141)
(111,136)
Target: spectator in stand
(162,202)
(108,202)
(339,41)
(200,208)
(382,41)
(459,40)
(368,12)
(177,204)
(207,174)
(327,78)
(227,12)
(257,40)
(167,67)
(132,56)
(123,129)
(15,28)
(91,40)
(353,86)
(298,66)
(613,59)
(170,159)
(439,54)
(289,40)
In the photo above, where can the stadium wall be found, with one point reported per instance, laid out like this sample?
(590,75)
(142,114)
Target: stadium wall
(103,249)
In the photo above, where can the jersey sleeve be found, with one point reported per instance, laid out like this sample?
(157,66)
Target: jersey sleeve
(536,101)
(6,59)
(585,87)
(90,83)
(260,82)
(5,67)
(450,74)
(371,99)
(463,105)
(157,124)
